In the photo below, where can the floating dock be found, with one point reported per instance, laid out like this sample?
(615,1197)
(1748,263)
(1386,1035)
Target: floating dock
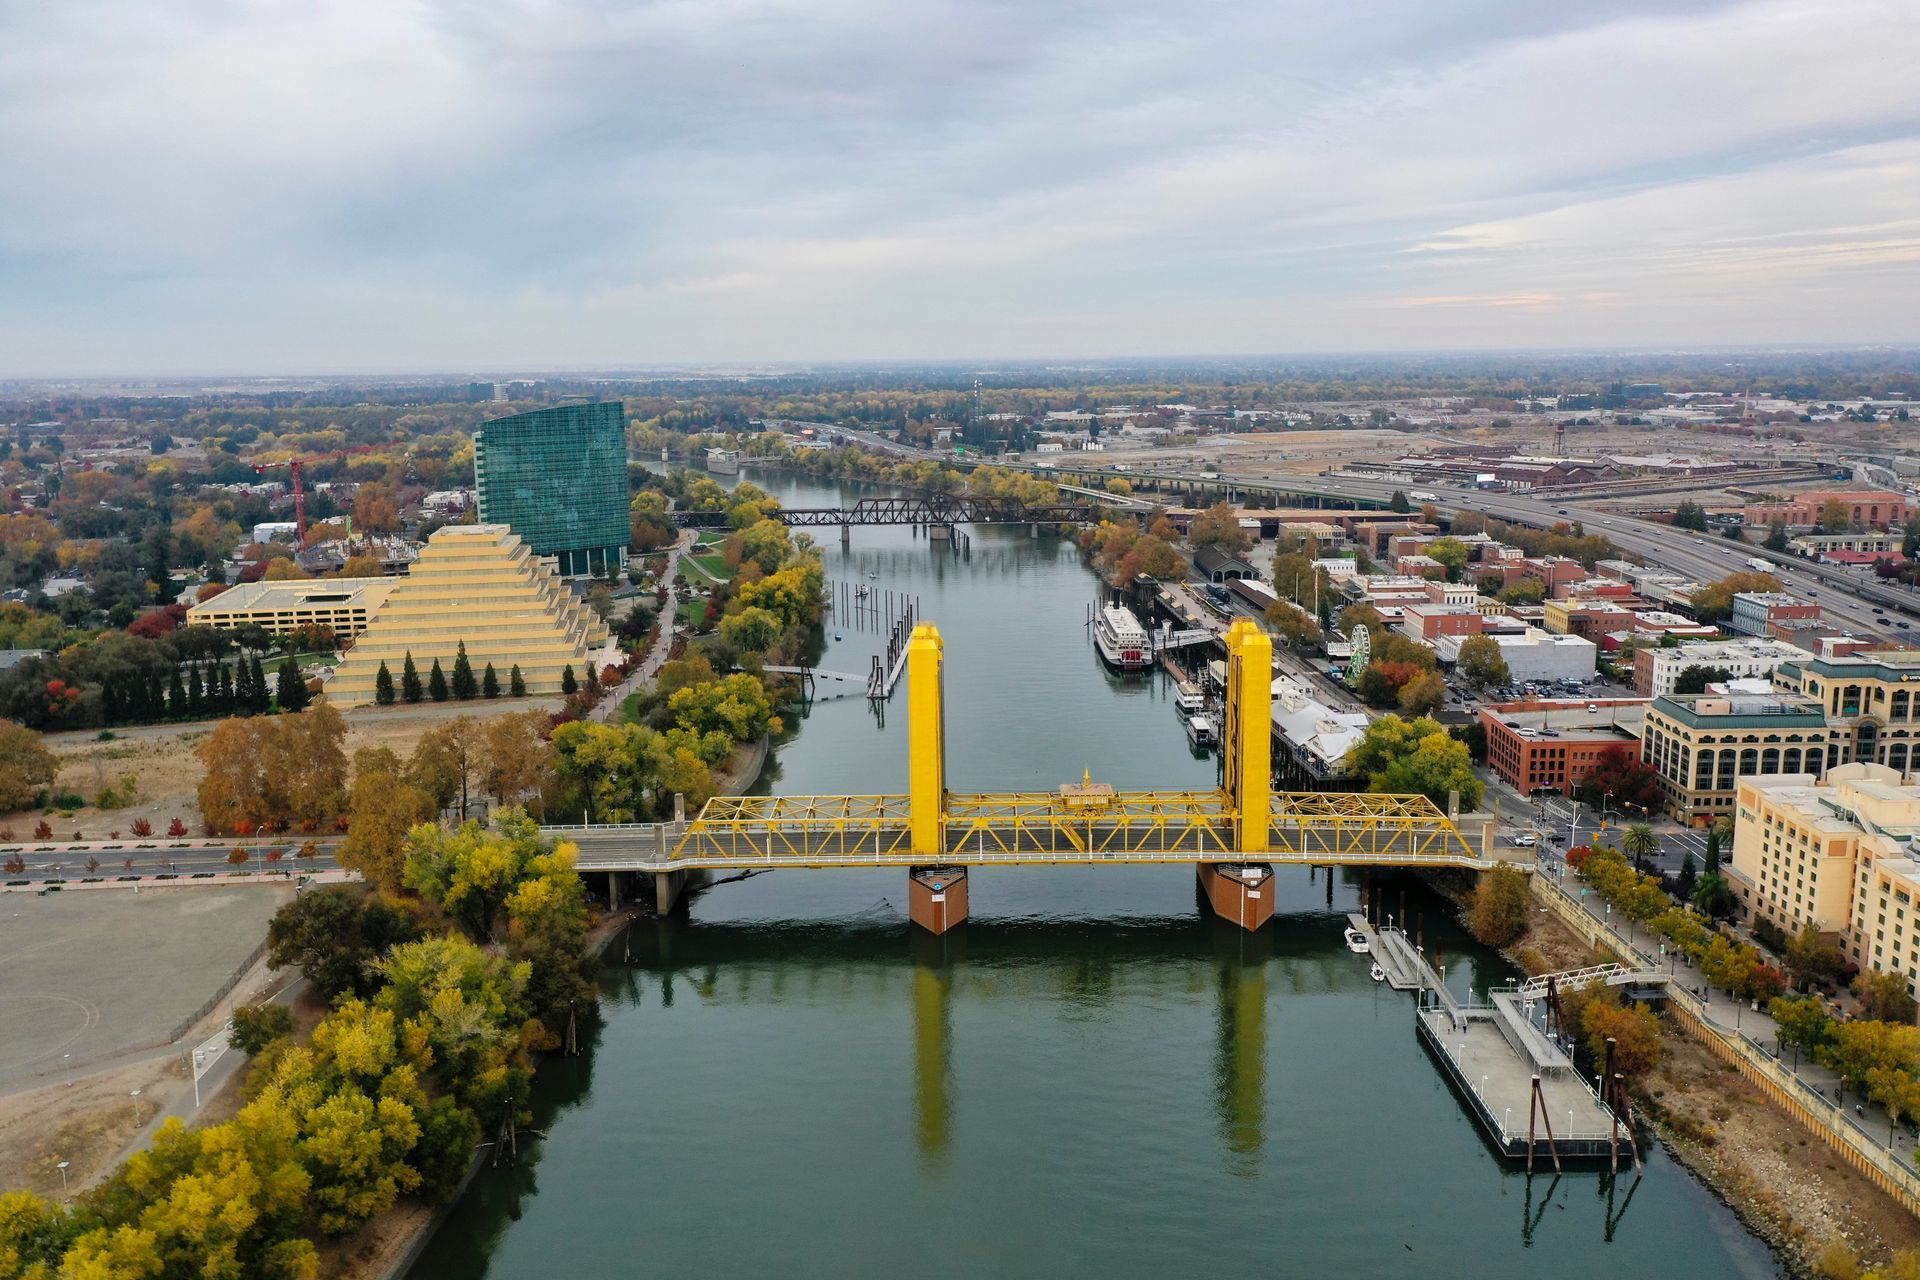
(1522,1086)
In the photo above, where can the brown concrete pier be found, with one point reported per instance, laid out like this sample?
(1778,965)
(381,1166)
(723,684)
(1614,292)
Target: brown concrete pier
(1240,892)
(937,897)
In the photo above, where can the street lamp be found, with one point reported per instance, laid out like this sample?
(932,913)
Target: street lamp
(62,1167)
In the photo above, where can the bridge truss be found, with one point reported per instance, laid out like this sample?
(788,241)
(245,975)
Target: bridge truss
(922,510)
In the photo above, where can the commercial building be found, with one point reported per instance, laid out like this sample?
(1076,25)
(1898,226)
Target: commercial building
(1553,746)
(481,585)
(1426,622)
(1872,701)
(1701,745)
(1313,738)
(1838,856)
(1533,655)
(1818,546)
(558,478)
(345,605)
(1869,508)
(1756,613)
(1655,669)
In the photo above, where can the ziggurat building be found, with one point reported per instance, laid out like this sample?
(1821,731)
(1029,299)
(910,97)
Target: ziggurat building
(481,585)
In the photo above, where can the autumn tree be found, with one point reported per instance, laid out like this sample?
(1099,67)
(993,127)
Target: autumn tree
(384,806)
(1635,1033)
(516,758)
(1500,907)
(1813,957)
(1883,996)
(1618,771)
(1714,602)
(26,766)
(446,762)
(1399,756)
(1452,554)
(1422,694)
(263,774)
(1292,625)
(1482,664)
(1219,526)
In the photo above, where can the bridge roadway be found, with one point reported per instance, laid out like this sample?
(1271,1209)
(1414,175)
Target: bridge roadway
(1032,829)
(922,510)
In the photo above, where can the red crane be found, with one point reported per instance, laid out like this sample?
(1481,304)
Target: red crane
(299,488)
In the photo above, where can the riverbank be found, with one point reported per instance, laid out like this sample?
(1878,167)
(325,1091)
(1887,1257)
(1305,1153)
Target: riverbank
(1779,1178)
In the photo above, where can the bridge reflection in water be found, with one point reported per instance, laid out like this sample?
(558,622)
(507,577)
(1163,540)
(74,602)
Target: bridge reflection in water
(1233,834)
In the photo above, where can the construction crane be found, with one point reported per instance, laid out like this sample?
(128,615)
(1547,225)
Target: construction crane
(299,487)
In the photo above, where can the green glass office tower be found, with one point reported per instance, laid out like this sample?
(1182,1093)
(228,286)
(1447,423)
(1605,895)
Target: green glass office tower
(558,478)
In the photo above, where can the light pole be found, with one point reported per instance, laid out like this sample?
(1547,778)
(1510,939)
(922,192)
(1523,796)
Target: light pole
(62,1167)
(136,1108)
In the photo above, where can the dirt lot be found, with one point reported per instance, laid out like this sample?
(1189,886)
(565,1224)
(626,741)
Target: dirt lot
(161,758)
(87,1123)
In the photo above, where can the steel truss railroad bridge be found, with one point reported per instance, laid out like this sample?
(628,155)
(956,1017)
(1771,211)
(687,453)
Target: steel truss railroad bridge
(930,509)
(1233,834)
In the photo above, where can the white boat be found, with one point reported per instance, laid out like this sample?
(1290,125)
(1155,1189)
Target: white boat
(1188,699)
(1201,733)
(1357,942)
(861,591)
(1377,973)
(1122,640)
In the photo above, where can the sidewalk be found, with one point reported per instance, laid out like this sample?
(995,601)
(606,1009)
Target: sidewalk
(1820,1086)
(656,656)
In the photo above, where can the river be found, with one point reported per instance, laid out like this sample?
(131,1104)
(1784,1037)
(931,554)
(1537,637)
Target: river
(1089,1078)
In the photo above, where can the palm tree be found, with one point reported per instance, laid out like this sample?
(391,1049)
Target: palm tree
(1640,843)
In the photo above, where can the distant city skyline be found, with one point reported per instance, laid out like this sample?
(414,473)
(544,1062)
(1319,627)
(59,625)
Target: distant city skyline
(229,187)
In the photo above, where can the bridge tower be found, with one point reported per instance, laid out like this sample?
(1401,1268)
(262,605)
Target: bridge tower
(1243,892)
(936,894)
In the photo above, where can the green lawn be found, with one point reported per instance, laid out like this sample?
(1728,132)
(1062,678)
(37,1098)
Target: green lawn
(692,612)
(715,567)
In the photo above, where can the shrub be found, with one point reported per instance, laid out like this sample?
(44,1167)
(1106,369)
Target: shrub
(255,1026)
(141,827)
(43,830)
(176,828)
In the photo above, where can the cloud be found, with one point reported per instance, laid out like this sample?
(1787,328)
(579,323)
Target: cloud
(237,184)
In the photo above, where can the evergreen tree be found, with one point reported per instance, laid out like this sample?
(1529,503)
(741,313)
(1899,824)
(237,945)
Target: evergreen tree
(516,683)
(262,695)
(110,708)
(410,689)
(196,693)
(291,691)
(383,686)
(1399,502)
(159,550)
(593,679)
(226,690)
(489,683)
(1776,539)
(155,702)
(176,696)
(437,683)
(242,687)
(1689,876)
(568,684)
(464,685)
(1713,851)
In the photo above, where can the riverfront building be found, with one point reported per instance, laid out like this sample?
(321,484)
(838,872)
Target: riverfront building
(558,478)
(1553,746)
(1872,700)
(1838,856)
(1701,745)
(345,605)
(480,585)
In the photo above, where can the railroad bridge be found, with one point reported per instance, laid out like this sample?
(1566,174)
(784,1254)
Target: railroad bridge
(1233,835)
(940,511)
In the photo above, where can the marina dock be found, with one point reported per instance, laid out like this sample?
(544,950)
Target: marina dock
(1522,1086)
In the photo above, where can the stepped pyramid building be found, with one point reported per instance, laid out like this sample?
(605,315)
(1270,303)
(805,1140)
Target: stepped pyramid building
(481,585)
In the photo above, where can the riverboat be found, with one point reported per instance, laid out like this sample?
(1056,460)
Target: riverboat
(1121,639)
(1189,700)
(1201,733)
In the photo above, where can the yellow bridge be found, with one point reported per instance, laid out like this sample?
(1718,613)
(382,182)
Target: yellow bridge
(1233,834)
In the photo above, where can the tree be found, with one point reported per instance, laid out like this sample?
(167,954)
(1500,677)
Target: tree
(336,937)
(1776,539)
(1690,515)
(489,683)
(1219,526)
(1408,757)
(1865,1046)
(569,684)
(751,630)
(1803,1021)
(290,687)
(1482,665)
(384,807)
(255,1026)
(1619,771)
(516,683)
(1689,875)
(1525,591)
(1694,678)
(516,758)
(383,686)
(465,687)
(410,689)
(437,683)
(446,763)
(1835,516)
(737,705)
(1812,957)
(1713,896)
(1639,843)
(1883,996)
(1451,553)
(1292,625)
(1714,603)
(1910,537)
(1399,502)
(1500,907)
(1634,1031)
(1422,694)
(26,766)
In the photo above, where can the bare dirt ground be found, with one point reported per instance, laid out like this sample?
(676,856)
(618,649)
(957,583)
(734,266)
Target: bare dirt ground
(161,758)
(87,1123)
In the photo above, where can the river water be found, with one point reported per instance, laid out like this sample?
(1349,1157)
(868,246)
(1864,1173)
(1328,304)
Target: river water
(1090,1078)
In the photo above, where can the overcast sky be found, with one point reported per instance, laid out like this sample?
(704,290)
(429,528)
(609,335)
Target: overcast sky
(305,185)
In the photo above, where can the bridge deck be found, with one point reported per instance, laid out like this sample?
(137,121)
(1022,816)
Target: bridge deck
(1031,828)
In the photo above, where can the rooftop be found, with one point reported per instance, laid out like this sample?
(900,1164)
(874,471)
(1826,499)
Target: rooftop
(301,593)
(1736,711)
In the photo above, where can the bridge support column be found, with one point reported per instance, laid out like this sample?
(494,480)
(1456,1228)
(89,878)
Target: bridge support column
(1240,892)
(937,897)
(846,535)
(937,532)
(926,746)
(1247,737)
(666,890)
(613,891)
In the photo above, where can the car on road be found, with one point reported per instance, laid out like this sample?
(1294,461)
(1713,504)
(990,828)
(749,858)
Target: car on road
(1880,612)
(1526,841)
